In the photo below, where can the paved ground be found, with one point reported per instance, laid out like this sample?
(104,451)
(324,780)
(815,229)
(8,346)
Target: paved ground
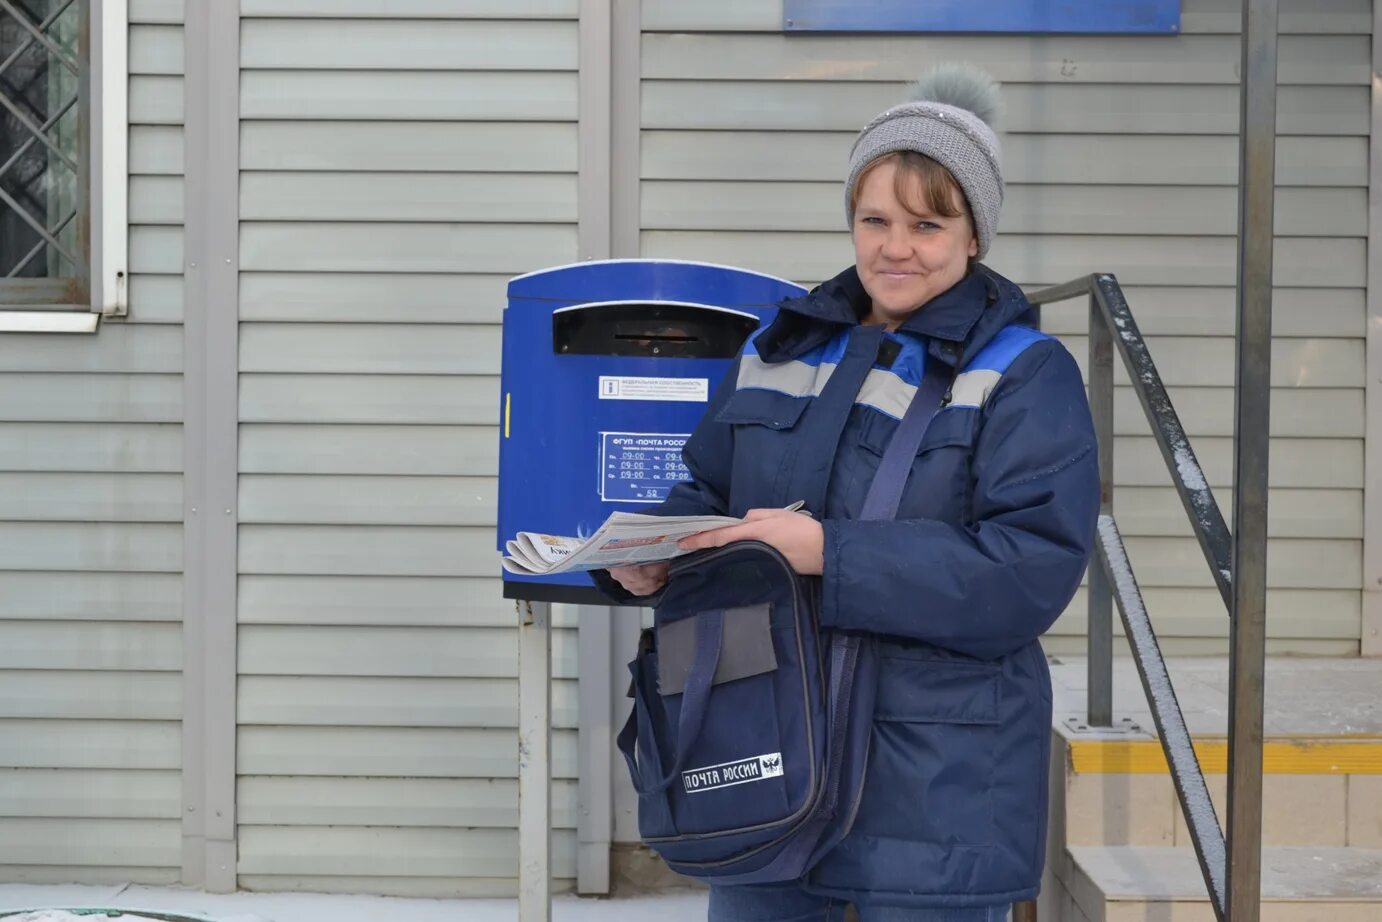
(311,907)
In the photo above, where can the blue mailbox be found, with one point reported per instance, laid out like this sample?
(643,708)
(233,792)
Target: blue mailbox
(607,368)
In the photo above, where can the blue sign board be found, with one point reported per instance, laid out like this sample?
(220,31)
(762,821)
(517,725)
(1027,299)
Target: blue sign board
(1019,16)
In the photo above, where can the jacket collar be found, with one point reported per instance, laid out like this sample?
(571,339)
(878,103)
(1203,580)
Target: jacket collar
(958,322)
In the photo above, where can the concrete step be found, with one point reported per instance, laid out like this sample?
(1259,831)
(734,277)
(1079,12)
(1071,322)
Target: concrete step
(1316,792)
(1145,883)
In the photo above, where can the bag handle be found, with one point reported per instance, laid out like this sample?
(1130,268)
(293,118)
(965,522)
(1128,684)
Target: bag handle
(710,629)
(885,492)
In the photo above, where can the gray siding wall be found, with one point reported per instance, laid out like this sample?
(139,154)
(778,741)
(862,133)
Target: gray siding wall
(91,541)
(1120,156)
(399,163)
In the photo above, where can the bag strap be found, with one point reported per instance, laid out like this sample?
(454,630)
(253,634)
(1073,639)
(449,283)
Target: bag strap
(885,493)
(696,697)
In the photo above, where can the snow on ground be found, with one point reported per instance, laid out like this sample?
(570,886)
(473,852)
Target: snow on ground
(683,906)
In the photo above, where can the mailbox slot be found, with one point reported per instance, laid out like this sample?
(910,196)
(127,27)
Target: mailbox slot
(651,328)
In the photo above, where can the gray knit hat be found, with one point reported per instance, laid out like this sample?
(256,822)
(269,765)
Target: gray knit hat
(950,120)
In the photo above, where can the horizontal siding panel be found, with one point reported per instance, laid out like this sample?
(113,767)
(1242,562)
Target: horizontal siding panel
(155,299)
(371,600)
(91,497)
(156,49)
(1209,361)
(449,887)
(1296,412)
(513,197)
(66,645)
(156,150)
(1011,59)
(119,348)
(1350,16)
(155,11)
(89,398)
(115,876)
(367,550)
(1027,209)
(402,96)
(400,652)
(1167,311)
(1164,159)
(436,44)
(91,596)
(327,701)
(89,446)
(1347,17)
(446,451)
(466,802)
(1293,563)
(398,147)
(1291,513)
(91,842)
(1061,108)
(89,794)
(349,850)
(1330,614)
(369,348)
(68,596)
(403,752)
(89,695)
(141,744)
(90,546)
(405,247)
(1293,462)
(1307,262)
(466,400)
(155,100)
(413,9)
(314,500)
(155,200)
(356,297)
(156,250)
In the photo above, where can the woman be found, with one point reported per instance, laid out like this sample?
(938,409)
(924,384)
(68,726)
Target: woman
(988,546)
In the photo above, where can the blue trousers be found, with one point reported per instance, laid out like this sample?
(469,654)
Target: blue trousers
(789,903)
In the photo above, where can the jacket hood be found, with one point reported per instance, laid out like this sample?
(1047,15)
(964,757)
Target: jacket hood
(958,322)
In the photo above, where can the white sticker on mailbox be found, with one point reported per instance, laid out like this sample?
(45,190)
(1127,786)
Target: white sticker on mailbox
(621,387)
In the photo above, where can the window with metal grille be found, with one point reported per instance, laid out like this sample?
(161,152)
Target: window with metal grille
(45,214)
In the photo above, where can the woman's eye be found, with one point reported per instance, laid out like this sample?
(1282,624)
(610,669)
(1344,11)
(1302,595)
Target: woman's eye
(874,221)
(927,226)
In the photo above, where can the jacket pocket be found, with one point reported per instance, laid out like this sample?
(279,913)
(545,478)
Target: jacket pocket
(761,407)
(940,483)
(935,734)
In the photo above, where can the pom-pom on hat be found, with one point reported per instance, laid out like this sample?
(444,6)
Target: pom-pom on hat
(950,119)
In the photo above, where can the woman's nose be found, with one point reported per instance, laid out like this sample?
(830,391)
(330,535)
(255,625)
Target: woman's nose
(895,245)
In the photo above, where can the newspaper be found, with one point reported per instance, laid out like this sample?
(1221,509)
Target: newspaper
(624,538)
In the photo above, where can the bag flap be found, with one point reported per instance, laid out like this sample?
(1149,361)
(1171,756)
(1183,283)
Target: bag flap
(745,650)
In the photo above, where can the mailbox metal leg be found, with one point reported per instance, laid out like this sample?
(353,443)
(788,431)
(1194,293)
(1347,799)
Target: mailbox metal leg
(534,761)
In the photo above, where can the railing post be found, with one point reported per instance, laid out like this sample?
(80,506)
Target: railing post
(1100,627)
(1252,393)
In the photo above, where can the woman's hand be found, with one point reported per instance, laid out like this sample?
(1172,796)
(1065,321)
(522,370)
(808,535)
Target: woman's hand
(798,537)
(641,578)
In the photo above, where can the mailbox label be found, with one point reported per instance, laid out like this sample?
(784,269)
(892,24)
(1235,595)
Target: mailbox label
(640,467)
(626,387)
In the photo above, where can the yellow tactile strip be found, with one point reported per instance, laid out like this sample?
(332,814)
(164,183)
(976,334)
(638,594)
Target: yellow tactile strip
(1334,755)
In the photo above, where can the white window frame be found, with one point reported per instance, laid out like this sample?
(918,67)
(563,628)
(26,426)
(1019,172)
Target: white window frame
(107,163)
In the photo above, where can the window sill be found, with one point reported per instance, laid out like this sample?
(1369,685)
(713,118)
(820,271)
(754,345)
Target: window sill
(47,321)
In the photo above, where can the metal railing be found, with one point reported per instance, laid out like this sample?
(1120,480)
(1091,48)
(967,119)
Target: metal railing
(1232,864)
(1111,326)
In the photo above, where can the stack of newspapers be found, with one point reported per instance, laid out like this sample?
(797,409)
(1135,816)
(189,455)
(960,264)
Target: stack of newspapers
(624,538)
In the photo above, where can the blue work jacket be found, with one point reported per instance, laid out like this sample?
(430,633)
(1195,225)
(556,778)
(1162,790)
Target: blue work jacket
(990,542)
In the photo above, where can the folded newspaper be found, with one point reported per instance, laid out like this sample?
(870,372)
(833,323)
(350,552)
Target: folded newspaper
(624,538)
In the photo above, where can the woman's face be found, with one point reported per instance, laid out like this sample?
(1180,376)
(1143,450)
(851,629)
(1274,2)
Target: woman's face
(906,258)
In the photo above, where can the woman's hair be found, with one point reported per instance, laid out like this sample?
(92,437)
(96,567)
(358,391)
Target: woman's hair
(917,172)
